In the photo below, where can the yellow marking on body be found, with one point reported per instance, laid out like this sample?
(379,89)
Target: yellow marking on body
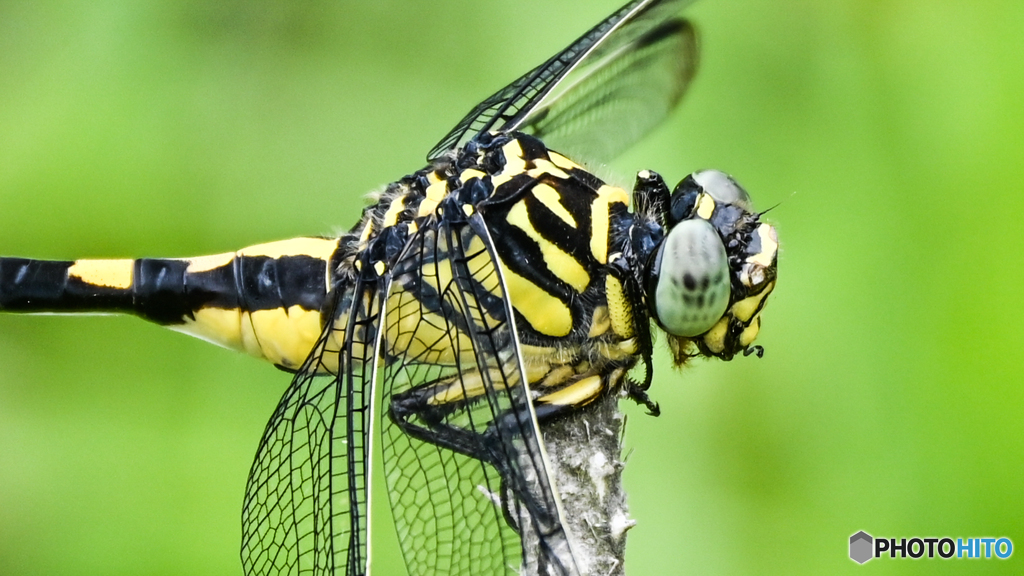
(745,309)
(471,173)
(336,340)
(560,263)
(207,263)
(466,386)
(769,246)
(578,393)
(618,307)
(282,336)
(616,351)
(705,206)
(600,219)
(555,377)
(545,313)
(714,339)
(563,162)
(328,361)
(437,191)
(379,268)
(552,200)
(477,315)
(535,371)
(547,355)
(426,208)
(514,162)
(600,322)
(465,175)
(750,332)
(106,273)
(414,333)
(215,325)
(499,179)
(481,267)
(321,248)
(364,236)
(433,177)
(396,207)
(439,275)
(542,167)
(249,339)
(333,345)
(564,266)
(337,337)
(434,194)
(614,194)
(615,378)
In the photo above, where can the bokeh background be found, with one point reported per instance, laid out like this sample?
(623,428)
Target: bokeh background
(890,135)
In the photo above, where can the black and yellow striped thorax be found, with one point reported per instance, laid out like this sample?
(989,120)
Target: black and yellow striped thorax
(553,225)
(554,228)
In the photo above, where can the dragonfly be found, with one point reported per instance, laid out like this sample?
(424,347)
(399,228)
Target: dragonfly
(498,289)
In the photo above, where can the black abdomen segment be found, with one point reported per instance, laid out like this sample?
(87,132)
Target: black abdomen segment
(264,299)
(157,290)
(47,286)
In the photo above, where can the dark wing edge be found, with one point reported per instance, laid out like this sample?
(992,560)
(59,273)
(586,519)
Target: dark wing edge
(307,497)
(513,105)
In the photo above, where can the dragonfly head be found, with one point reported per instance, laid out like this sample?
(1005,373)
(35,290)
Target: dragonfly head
(710,276)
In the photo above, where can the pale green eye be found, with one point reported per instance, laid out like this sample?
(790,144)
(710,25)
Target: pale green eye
(692,289)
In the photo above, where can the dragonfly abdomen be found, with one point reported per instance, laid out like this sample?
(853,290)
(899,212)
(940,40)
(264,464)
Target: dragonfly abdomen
(264,300)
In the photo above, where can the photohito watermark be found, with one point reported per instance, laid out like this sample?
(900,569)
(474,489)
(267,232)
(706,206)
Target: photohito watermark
(864,547)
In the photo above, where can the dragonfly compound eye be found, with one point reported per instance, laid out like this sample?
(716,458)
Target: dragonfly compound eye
(688,284)
(714,183)
(723,188)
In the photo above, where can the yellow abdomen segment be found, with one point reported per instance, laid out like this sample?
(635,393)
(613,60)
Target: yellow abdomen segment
(266,299)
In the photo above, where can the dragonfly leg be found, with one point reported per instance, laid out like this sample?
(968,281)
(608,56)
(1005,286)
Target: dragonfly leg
(637,392)
(577,394)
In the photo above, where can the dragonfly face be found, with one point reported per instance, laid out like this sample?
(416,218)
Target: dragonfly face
(499,288)
(711,275)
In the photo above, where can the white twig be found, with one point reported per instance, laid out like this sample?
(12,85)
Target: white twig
(585,451)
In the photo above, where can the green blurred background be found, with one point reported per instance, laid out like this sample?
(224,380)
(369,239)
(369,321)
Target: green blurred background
(890,134)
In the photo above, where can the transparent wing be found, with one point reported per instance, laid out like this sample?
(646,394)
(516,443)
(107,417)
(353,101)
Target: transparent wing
(614,102)
(306,499)
(513,106)
(463,458)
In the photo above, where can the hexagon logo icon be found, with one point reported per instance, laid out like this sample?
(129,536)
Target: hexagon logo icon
(861,547)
